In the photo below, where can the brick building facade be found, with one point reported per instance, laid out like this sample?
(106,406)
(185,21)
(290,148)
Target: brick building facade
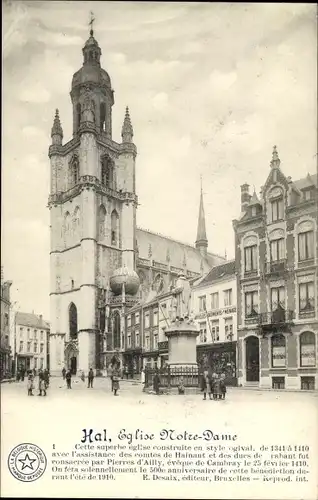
(276,260)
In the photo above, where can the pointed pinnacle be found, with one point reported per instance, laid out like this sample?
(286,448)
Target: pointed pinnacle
(57,128)
(275,158)
(127,131)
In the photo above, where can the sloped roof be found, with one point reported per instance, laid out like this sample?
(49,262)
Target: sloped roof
(32,320)
(217,272)
(178,252)
(306,182)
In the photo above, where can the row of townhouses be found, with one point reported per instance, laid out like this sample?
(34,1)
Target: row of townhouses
(24,337)
(257,315)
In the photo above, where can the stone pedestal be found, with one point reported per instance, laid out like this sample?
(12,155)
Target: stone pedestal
(182,337)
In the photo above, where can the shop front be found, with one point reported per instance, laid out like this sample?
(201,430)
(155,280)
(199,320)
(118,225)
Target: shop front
(219,358)
(133,361)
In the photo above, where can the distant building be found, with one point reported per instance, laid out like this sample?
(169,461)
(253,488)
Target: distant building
(214,307)
(276,256)
(32,341)
(5,348)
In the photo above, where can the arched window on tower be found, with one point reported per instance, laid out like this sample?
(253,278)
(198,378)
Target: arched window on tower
(72,320)
(116,332)
(73,172)
(107,172)
(102,223)
(102,116)
(67,228)
(78,114)
(114,228)
(76,224)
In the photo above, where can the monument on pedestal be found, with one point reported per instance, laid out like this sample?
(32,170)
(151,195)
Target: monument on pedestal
(182,332)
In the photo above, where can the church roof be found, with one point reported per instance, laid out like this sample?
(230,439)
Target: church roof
(32,320)
(164,247)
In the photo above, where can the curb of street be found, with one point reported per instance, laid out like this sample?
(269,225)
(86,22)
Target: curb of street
(7,380)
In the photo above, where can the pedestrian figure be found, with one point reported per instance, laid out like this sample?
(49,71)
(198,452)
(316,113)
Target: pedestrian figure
(90,378)
(83,376)
(18,375)
(30,384)
(68,377)
(156,382)
(206,385)
(143,380)
(111,373)
(126,371)
(22,374)
(223,385)
(63,373)
(217,394)
(46,377)
(42,386)
(181,388)
(116,378)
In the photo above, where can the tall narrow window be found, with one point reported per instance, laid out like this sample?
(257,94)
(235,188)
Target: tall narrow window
(227,297)
(307,344)
(202,303)
(277,250)
(103,117)
(277,209)
(278,351)
(278,298)
(114,228)
(102,222)
(306,245)
(250,258)
(107,172)
(72,320)
(251,304)
(116,324)
(215,300)
(306,297)
(78,114)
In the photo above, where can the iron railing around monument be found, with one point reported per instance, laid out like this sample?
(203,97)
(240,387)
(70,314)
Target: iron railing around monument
(173,376)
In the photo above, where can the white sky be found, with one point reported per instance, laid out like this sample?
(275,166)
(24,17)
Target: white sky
(210,87)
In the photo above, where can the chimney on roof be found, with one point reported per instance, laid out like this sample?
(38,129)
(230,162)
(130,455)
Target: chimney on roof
(41,318)
(245,197)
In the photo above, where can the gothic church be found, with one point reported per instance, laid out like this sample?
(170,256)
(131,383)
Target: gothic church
(101,262)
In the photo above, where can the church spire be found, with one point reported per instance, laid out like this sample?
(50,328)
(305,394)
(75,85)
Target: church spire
(201,242)
(127,131)
(57,131)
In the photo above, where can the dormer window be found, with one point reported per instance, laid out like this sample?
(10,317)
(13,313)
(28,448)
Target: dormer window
(307,194)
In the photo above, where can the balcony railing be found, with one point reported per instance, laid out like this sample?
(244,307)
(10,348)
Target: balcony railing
(276,266)
(278,317)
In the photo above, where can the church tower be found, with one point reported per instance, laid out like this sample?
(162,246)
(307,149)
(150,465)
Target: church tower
(92,207)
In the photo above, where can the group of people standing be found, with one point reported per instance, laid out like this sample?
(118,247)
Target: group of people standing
(213,384)
(67,375)
(43,382)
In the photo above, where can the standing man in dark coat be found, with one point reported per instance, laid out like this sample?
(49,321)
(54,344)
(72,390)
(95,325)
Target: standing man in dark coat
(90,378)
(68,377)
(156,382)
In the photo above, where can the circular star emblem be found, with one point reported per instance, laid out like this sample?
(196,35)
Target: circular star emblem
(27,462)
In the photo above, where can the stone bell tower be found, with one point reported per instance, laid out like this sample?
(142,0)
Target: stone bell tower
(92,206)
